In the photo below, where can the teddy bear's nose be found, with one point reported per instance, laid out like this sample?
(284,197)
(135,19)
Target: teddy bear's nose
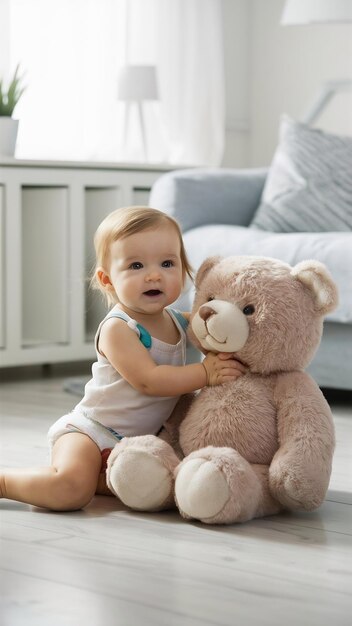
(205,312)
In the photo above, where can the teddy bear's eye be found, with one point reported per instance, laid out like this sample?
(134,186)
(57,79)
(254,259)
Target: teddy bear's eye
(248,309)
(210,298)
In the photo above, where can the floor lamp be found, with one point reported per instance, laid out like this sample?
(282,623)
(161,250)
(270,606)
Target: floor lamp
(299,12)
(137,84)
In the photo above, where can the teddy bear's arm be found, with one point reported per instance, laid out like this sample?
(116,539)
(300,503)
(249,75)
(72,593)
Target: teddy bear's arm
(300,470)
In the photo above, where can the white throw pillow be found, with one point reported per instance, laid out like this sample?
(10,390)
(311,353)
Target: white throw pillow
(309,185)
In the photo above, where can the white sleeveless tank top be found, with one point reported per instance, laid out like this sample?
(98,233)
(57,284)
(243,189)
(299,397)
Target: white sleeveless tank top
(110,400)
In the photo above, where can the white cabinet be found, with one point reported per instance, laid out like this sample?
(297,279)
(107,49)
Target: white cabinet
(2,268)
(49,212)
(45,266)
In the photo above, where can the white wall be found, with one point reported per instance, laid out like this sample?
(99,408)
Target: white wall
(283,71)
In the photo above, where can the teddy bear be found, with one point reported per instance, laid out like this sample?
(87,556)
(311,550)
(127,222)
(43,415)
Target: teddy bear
(257,445)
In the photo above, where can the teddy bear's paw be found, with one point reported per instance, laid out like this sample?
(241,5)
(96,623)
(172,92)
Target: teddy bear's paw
(218,486)
(201,489)
(140,480)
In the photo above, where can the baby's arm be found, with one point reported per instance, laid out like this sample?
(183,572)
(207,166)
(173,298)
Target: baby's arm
(123,349)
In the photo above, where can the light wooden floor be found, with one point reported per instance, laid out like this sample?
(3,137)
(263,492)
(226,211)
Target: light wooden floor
(110,566)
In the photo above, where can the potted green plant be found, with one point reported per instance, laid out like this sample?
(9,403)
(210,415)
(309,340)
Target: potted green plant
(9,97)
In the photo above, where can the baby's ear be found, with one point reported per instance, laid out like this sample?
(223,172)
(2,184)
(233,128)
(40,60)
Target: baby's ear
(206,266)
(103,278)
(316,277)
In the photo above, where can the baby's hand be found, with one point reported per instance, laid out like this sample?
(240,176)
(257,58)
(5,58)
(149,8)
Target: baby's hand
(222,368)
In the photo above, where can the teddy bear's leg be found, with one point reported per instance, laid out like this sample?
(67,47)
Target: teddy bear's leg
(140,473)
(300,482)
(218,486)
(300,470)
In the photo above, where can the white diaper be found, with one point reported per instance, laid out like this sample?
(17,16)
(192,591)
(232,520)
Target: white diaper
(76,422)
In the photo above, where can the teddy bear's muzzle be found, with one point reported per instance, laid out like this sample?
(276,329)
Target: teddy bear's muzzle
(220,326)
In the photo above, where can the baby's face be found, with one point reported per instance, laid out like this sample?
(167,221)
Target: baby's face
(146,269)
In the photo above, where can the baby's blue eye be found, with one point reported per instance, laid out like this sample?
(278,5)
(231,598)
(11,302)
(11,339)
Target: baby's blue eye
(167,263)
(136,266)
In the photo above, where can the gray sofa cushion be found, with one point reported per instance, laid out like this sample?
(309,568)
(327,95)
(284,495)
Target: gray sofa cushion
(309,185)
(196,197)
(333,249)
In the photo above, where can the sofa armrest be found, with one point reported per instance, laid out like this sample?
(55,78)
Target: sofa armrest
(197,197)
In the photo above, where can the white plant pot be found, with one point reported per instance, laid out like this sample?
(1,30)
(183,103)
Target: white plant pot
(8,135)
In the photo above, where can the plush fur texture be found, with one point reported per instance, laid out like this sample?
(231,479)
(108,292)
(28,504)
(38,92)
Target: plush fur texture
(264,442)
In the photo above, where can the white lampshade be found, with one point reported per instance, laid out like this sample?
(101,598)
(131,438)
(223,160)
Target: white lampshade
(138,82)
(316,11)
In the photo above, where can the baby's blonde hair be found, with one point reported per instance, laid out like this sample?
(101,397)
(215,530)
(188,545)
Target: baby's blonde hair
(123,223)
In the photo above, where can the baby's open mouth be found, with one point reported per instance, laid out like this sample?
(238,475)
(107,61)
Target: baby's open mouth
(152,292)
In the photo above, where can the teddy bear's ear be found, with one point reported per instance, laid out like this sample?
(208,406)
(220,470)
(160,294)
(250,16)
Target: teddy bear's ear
(314,275)
(205,268)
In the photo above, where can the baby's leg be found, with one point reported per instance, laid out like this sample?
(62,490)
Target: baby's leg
(67,485)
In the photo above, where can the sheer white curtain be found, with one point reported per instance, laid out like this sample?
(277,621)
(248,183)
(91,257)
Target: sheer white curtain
(72,51)
(192,79)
